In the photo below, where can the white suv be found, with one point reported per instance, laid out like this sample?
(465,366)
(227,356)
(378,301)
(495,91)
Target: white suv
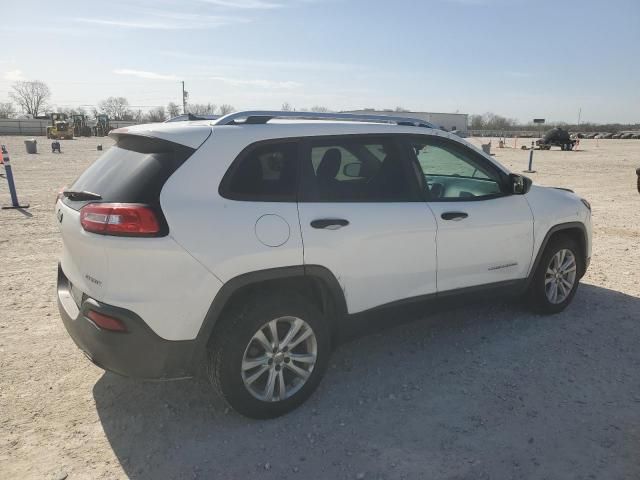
(243,244)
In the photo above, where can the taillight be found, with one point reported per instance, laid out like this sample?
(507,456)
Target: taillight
(119,219)
(106,322)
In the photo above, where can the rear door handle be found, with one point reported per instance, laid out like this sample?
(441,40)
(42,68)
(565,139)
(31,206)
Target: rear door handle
(454,215)
(329,223)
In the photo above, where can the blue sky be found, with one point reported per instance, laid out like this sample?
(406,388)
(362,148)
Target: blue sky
(518,58)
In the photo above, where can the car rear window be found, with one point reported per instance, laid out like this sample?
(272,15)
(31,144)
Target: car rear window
(134,170)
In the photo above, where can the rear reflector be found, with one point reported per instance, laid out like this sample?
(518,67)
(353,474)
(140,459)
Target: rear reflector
(119,219)
(106,322)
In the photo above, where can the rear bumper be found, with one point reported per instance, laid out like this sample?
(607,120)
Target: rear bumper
(138,353)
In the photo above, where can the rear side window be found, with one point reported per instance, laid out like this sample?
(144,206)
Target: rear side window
(134,170)
(264,172)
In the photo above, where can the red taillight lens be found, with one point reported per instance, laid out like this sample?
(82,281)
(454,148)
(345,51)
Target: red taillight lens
(106,322)
(119,219)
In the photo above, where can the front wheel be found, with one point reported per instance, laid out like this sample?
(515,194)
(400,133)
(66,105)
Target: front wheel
(556,278)
(268,355)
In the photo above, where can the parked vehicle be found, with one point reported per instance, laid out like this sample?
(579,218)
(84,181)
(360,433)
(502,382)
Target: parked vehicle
(617,135)
(626,136)
(245,244)
(102,126)
(556,137)
(59,127)
(80,126)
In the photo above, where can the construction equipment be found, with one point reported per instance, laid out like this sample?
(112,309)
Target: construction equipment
(80,127)
(102,126)
(60,127)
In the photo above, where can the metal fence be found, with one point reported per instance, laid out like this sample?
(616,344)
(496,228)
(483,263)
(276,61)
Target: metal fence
(35,128)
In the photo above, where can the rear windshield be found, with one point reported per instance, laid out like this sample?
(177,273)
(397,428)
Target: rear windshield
(132,171)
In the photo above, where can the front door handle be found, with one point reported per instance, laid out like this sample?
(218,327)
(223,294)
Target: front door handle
(329,223)
(454,215)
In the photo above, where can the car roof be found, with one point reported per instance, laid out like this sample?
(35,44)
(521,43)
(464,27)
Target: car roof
(194,133)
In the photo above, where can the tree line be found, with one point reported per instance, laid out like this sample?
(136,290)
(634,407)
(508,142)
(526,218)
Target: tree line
(33,98)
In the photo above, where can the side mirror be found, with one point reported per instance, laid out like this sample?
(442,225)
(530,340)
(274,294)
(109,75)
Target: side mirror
(520,185)
(352,170)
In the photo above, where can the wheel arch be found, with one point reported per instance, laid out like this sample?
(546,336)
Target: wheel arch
(314,281)
(576,231)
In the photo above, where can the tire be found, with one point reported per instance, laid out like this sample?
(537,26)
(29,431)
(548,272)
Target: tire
(234,345)
(542,286)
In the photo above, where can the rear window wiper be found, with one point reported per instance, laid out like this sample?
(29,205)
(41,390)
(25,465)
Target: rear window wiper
(81,195)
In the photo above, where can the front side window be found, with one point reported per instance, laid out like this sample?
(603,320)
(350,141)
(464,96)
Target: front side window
(265,172)
(356,170)
(453,172)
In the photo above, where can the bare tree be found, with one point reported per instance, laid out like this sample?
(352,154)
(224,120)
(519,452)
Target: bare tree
(173,109)
(287,107)
(137,116)
(31,96)
(492,121)
(477,123)
(319,109)
(117,108)
(226,108)
(7,110)
(73,111)
(156,115)
(201,108)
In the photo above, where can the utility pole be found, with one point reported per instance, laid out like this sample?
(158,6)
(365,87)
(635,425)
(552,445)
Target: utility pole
(579,115)
(185,95)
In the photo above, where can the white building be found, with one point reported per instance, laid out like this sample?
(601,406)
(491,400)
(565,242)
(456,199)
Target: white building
(447,121)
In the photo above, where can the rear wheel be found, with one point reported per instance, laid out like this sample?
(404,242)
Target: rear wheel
(268,355)
(556,279)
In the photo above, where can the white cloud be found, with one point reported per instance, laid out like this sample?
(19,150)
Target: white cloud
(13,75)
(179,21)
(243,63)
(146,75)
(245,4)
(237,82)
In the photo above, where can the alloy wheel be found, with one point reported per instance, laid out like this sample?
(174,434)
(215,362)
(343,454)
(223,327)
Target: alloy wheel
(560,276)
(279,359)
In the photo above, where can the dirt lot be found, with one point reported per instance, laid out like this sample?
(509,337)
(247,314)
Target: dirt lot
(481,391)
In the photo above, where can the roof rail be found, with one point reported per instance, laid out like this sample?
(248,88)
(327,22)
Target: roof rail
(253,117)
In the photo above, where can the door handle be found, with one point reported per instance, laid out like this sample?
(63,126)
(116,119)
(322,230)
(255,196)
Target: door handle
(329,223)
(454,215)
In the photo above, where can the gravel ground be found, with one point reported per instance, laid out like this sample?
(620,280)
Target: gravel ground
(480,391)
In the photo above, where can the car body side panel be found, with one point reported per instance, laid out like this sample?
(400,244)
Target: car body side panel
(493,244)
(551,207)
(225,235)
(153,277)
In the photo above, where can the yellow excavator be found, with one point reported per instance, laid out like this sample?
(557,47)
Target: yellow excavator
(60,127)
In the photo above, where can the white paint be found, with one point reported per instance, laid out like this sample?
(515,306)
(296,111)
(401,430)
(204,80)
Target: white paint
(272,230)
(388,252)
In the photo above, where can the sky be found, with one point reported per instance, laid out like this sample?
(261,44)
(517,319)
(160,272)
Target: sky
(518,58)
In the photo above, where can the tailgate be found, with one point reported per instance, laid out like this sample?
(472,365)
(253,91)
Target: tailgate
(84,261)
